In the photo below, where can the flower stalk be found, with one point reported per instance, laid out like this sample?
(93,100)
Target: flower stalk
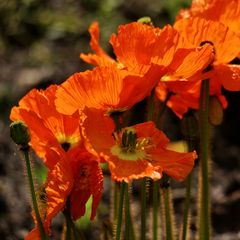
(190,131)
(120,210)
(204,210)
(33,195)
(167,201)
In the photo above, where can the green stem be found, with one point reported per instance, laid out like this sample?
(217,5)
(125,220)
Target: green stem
(71,229)
(32,190)
(169,230)
(186,207)
(115,200)
(204,228)
(143,207)
(127,214)
(120,210)
(155,209)
(68,235)
(167,201)
(189,128)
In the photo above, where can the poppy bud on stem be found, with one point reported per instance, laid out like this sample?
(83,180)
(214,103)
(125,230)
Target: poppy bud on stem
(20,135)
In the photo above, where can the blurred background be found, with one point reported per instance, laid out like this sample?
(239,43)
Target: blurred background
(40,43)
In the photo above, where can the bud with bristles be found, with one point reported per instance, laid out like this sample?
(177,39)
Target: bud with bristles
(215,111)
(19,133)
(145,20)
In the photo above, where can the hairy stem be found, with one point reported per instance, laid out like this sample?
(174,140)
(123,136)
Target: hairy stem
(33,195)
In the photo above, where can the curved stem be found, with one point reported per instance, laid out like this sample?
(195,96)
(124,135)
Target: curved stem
(33,195)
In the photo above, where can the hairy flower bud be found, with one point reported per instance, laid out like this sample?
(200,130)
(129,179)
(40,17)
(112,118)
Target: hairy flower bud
(215,111)
(19,133)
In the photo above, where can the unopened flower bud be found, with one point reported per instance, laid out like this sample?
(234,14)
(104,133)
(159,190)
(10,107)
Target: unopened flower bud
(145,20)
(19,133)
(215,111)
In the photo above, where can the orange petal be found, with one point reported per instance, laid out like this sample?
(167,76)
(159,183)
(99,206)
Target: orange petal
(100,58)
(88,182)
(133,45)
(97,127)
(124,170)
(229,75)
(59,186)
(148,129)
(176,165)
(197,30)
(224,11)
(188,62)
(99,88)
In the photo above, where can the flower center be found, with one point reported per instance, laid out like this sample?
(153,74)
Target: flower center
(131,148)
(68,142)
(66,146)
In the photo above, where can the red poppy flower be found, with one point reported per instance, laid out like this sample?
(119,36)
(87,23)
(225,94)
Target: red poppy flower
(136,151)
(76,176)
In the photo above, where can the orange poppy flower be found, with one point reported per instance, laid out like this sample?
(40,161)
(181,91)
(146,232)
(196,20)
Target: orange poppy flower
(138,46)
(136,151)
(185,95)
(225,11)
(107,88)
(48,128)
(144,55)
(196,31)
(74,172)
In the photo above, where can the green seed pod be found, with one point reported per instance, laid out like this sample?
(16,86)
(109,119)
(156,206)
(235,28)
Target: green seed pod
(215,111)
(19,133)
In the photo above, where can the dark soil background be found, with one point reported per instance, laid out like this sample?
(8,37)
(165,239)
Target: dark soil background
(40,42)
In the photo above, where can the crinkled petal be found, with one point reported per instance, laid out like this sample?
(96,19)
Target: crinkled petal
(88,182)
(229,75)
(100,58)
(174,164)
(198,30)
